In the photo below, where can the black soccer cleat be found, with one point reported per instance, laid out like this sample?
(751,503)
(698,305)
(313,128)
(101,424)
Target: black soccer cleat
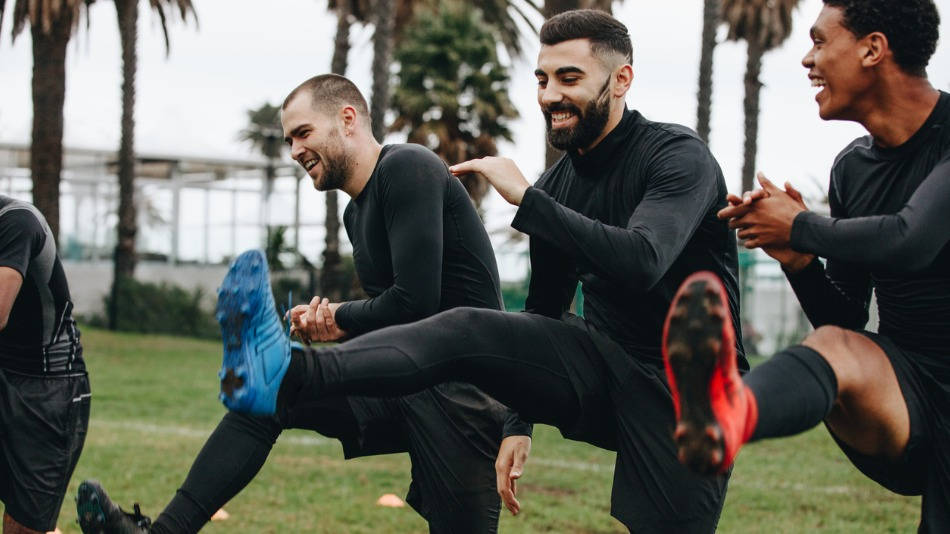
(97,514)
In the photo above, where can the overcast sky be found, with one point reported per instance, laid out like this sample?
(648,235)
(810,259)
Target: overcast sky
(247,52)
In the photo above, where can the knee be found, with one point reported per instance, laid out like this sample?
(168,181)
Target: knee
(826,339)
(843,349)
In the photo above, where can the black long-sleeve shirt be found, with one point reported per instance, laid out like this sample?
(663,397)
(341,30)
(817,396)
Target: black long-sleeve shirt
(630,220)
(420,248)
(889,231)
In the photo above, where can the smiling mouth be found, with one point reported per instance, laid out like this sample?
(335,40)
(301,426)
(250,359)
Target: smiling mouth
(310,163)
(559,118)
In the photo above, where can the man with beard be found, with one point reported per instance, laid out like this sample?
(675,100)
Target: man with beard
(628,212)
(885,395)
(419,247)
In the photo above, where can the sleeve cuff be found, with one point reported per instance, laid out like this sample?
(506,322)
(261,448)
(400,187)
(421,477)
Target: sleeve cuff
(527,209)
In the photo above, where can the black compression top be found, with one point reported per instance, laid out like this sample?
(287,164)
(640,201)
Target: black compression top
(420,248)
(888,230)
(631,219)
(41,336)
(418,244)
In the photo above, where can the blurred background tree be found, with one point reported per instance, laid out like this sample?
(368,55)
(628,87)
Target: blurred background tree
(451,93)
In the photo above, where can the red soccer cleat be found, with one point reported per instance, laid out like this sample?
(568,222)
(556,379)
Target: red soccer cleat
(715,411)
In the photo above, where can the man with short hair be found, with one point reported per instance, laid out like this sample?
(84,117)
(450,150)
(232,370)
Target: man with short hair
(885,396)
(44,389)
(629,211)
(418,247)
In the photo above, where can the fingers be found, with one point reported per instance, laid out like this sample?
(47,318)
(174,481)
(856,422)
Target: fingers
(733,200)
(767,184)
(472,165)
(505,486)
(795,194)
(731,212)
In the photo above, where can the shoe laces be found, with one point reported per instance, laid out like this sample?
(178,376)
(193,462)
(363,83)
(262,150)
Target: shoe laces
(141,520)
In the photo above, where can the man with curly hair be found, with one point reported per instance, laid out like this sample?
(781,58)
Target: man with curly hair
(885,396)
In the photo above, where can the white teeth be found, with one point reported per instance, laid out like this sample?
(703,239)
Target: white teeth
(561,116)
(309,164)
(817,82)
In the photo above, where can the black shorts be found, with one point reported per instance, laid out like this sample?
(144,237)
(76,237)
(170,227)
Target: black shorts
(452,447)
(924,467)
(43,422)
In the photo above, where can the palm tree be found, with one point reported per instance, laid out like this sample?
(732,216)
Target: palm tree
(451,93)
(124,258)
(711,22)
(51,26)
(763,25)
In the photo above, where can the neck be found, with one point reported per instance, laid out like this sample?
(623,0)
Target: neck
(365,155)
(616,113)
(898,110)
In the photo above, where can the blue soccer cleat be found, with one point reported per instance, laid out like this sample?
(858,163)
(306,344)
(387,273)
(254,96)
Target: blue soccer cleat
(256,349)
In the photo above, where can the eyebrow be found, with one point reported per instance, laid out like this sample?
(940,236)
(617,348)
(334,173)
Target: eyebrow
(295,132)
(561,71)
(814,32)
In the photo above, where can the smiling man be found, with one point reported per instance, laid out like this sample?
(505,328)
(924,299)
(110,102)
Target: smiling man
(885,396)
(628,212)
(418,247)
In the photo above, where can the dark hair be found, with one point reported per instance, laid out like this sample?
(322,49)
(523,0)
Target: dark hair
(911,27)
(607,35)
(330,91)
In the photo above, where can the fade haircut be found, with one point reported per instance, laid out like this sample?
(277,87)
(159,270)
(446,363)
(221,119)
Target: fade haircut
(607,35)
(330,92)
(911,28)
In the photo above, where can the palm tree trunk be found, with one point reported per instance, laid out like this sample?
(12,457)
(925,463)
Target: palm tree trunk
(384,12)
(49,93)
(751,107)
(331,275)
(704,96)
(124,255)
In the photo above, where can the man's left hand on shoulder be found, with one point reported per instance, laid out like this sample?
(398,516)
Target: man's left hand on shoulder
(501,173)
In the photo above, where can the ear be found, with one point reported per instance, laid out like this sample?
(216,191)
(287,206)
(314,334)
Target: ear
(350,119)
(623,78)
(874,49)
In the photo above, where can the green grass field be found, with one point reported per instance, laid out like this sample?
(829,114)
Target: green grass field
(154,404)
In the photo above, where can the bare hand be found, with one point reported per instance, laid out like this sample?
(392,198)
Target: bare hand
(768,221)
(512,455)
(501,173)
(316,321)
(325,324)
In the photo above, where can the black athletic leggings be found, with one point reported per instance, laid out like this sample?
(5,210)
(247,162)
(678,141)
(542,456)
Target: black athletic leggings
(517,358)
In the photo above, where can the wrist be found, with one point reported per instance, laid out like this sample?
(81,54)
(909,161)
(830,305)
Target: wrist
(797,263)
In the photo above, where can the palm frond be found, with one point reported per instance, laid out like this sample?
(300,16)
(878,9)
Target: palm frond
(766,22)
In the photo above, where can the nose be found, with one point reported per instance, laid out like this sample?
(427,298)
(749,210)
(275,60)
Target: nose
(296,150)
(549,94)
(809,60)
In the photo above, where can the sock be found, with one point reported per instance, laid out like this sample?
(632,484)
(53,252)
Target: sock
(294,380)
(795,390)
(229,460)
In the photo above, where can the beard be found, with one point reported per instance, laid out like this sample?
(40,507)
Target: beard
(590,122)
(336,167)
